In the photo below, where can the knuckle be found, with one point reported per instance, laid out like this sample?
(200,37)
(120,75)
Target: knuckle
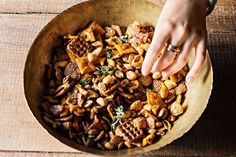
(170,24)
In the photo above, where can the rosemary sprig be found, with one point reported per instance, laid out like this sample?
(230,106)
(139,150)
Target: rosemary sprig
(109,54)
(84,81)
(104,70)
(119,111)
(124,38)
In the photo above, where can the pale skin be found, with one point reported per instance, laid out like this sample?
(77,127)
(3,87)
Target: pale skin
(181,23)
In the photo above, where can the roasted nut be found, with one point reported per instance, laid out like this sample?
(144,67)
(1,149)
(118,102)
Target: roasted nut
(140,123)
(136,106)
(109,145)
(102,101)
(156,75)
(119,74)
(145,80)
(163,113)
(88,103)
(108,80)
(167,125)
(158,124)
(131,75)
(148,107)
(121,145)
(111,63)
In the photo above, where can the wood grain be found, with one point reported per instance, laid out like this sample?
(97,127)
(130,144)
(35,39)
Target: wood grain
(20,22)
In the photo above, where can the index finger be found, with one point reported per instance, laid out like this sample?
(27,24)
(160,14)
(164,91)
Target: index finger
(159,39)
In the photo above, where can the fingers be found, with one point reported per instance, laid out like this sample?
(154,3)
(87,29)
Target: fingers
(199,61)
(182,58)
(165,60)
(159,39)
(179,35)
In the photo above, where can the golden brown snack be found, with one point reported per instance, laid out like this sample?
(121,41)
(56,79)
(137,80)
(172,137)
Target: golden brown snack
(96,95)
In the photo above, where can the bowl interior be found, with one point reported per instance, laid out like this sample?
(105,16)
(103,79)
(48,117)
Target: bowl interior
(107,12)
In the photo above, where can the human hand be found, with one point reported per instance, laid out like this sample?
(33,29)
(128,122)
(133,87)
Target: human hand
(182,23)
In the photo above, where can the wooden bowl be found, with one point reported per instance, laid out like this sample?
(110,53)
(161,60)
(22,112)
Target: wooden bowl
(106,12)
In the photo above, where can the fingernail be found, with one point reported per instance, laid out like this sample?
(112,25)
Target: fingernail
(164,74)
(144,73)
(189,79)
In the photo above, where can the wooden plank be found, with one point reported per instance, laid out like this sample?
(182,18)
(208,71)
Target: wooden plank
(222,18)
(19,130)
(41,154)
(36,6)
(56,6)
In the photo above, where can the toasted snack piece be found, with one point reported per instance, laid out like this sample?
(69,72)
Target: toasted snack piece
(148,139)
(125,48)
(77,47)
(97,28)
(116,140)
(140,123)
(154,98)
(181,88)
(129,132)
(176,109)
(88,35)
(84,65)
(170,84)
(145,80)
(156,85)
(136,106)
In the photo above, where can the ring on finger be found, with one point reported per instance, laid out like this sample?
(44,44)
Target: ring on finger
(172,48)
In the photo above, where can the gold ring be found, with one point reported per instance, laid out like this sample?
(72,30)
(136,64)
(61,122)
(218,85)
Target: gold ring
(173,48)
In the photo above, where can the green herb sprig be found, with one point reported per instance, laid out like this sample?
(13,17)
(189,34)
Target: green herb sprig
(84,81)
(124,38)
(119,111)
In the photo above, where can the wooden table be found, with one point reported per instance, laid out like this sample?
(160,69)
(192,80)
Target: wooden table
(20,135)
